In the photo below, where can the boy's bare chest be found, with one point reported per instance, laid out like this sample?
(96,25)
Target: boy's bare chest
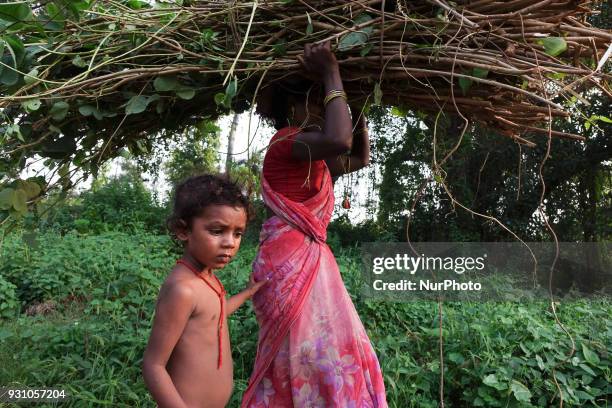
(207,308)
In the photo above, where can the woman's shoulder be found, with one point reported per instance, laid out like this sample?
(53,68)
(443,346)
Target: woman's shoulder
(288,132)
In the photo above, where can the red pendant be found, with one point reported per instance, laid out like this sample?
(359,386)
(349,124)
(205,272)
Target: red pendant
(346,204)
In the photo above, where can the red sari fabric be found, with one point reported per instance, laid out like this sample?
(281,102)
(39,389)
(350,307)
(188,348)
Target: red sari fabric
(297,180)
(313,350)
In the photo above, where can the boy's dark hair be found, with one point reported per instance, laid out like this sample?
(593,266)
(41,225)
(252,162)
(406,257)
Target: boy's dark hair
(275,100)
(196,193)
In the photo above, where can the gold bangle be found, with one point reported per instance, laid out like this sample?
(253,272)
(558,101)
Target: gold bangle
(334,94)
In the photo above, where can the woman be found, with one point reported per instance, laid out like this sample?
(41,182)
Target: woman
(313,350)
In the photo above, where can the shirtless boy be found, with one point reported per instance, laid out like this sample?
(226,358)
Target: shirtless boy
(188,361)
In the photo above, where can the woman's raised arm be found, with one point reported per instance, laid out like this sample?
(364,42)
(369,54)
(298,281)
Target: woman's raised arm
(336,136)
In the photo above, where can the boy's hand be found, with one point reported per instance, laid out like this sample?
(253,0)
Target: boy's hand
(237,300)
(253,287)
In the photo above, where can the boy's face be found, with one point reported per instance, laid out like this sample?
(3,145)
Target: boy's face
(215,235)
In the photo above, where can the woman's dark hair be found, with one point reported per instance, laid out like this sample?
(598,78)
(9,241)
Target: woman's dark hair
(196,193)
(274,101)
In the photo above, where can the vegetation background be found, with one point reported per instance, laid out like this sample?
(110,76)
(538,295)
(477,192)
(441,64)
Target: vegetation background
(79,277)
(79,274)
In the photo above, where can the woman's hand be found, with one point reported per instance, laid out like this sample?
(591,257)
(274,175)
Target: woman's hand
(318,60)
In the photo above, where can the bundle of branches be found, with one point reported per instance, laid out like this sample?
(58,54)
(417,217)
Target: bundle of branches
(103,75)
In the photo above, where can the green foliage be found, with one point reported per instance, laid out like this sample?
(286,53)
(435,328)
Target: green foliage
(358,37)
(117,204)
(196,153)
(91,343)
(491,176)
(344,233)
(553,45)
(122,203)
(9,305)
(78,266)
(15,196)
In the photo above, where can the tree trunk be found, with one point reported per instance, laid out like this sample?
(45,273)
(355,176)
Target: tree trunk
(592,273)
(230,144)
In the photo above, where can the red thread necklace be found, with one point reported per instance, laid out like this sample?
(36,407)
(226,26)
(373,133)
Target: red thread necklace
(220,294)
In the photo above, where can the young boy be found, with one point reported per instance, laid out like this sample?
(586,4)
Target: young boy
(188,361)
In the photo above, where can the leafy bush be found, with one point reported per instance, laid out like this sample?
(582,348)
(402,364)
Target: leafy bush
(105,286)
(117,264)
(9,306)
(122,204)
(349,234)
(119,204)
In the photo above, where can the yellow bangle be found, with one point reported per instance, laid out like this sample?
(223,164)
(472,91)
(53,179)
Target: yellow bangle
(334,94)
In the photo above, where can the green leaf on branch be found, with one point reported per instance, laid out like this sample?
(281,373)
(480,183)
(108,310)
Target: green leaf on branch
(465,84)
(88,110)
(31,188)
(15,12)
(16,51)
(377,94)
(602,118)
(20,199)
(54,13)
(591,121)
(399,112)
(59,110)
(556,75)
(137,4)
(6,198)
(185,93)
(165,83)
(9,76)
(553,45)
(79,62)
(232,88)
(138,103)
(480,72)
(31,77)
(31,105)
(15,48)
(356,38)
(220,99)
(225,99)
(280,48)
(13,129)
(366,50)
(64,170)
(142,146)
(309,27)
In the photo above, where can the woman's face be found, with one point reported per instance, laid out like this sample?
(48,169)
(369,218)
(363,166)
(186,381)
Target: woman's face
(314,115)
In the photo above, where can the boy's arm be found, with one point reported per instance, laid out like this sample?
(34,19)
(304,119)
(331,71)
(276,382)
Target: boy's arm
(237,300)
(174,307)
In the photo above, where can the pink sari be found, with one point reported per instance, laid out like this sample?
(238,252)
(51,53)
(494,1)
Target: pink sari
(313,350)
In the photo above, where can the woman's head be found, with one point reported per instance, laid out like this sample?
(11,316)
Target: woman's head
(291,103)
